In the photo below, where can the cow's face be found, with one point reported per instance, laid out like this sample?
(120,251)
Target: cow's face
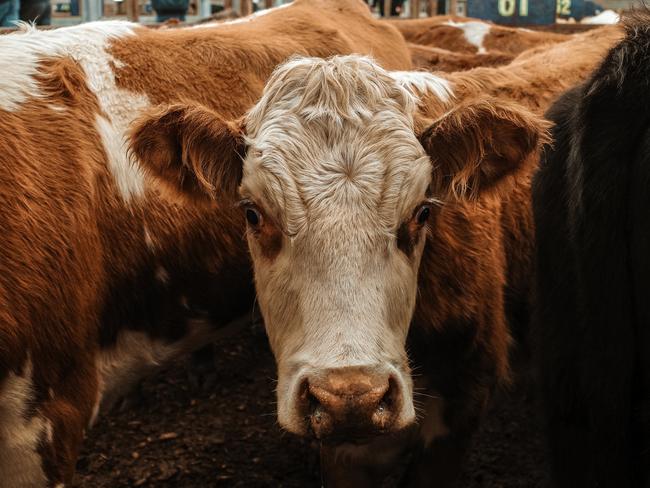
(335,194)
(336,186)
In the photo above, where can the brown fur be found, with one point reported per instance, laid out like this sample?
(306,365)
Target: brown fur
(477,264)
(468,150)
(77,270)
(507,40)
(436,59)
(536,78)
(204,137)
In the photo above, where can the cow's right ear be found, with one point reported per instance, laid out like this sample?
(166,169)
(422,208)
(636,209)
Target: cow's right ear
(191,150)
(479,146)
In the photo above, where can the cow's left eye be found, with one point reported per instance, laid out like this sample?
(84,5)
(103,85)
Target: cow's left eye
(253,217)
(423,214)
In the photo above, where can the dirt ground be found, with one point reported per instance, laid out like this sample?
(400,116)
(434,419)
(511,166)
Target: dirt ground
(224,433)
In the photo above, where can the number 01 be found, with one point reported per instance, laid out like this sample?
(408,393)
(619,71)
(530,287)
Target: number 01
(507,8)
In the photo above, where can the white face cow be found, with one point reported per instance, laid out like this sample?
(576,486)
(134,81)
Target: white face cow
(335,188)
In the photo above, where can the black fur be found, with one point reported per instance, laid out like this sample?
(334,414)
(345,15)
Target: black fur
(592,211)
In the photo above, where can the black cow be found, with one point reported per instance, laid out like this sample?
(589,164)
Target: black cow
(592,212)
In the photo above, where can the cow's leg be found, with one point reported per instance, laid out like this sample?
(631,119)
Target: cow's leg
(70,408)
(42,424)
(60,447)
(22,428)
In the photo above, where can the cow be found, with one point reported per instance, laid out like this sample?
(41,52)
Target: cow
(592,316)
(348,193)
(472,36)
(343,375)
(436,59)
(536,77)
(103,277)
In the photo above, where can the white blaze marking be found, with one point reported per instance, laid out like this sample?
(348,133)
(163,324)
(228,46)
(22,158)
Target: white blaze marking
(474,32)
(20,57)
(20,463)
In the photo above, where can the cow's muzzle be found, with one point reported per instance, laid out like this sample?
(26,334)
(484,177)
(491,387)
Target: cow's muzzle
(351,402)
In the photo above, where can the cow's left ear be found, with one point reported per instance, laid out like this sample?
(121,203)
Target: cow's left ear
(476,146)
(191,150)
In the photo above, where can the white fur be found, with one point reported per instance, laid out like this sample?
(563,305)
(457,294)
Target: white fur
(136,355)
(127,174)
(605,17)
(420,83)
(243,20)
(334,160)
(20,57)
(20,463)
(474,32)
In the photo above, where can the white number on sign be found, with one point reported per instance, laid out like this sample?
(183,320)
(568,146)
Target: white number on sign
(507,7)
(564,7)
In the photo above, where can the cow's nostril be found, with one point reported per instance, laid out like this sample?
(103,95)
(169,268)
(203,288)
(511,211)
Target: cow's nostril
(318,416)
(315,406)
(386,407)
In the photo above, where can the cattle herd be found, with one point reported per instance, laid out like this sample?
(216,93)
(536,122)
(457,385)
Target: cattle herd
(440,196)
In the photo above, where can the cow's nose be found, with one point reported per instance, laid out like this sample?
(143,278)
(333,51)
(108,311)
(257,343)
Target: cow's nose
(351,402)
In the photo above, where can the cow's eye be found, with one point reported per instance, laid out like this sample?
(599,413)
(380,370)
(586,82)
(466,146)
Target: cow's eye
(253,217)
(423,214)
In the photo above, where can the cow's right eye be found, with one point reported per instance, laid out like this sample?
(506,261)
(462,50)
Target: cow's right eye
(253,217)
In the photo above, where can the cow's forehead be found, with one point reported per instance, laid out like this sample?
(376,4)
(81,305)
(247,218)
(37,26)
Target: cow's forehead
(374,171)
(335,137)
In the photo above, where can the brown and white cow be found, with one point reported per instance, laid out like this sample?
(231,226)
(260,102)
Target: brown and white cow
(101,276)
(472,36)
(339,178)
(339,181)
(536,77)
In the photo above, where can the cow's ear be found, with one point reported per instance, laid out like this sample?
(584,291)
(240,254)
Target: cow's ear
(477,146)
(191,150)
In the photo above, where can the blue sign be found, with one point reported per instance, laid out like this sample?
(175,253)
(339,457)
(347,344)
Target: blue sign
(513,12)
(571,8)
